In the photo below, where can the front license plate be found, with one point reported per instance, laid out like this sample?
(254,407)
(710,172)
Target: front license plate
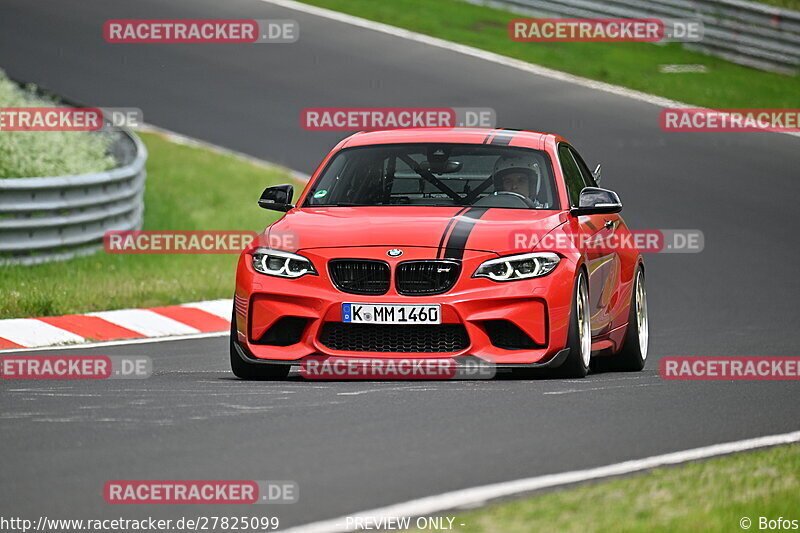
(391,313)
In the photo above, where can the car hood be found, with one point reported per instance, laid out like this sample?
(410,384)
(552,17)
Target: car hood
(447,228)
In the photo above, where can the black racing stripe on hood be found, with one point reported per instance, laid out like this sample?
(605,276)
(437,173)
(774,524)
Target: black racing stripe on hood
(458,237)
(446,230)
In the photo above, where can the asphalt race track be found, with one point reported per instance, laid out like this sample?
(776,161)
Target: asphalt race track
(354,446)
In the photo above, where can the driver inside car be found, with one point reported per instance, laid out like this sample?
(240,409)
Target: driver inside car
(519,175)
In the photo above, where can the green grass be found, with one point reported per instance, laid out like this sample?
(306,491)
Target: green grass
(187,189)
(634,65)
(709,496)
(788,4)
(26,154)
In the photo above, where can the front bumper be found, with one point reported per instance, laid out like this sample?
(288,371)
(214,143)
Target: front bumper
(539,308)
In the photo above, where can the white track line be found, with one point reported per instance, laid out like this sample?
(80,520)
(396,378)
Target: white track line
(475,52)
(483,54)
(480,495)
(180,138)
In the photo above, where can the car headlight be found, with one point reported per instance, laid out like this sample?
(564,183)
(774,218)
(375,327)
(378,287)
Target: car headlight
(281,264)
(516,267)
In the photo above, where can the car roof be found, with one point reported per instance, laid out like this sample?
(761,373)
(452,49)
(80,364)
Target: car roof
(497,136)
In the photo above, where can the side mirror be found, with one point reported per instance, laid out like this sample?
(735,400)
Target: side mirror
(277,198)
(597,201)
(596,174)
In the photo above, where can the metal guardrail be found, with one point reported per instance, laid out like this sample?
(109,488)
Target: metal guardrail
(752,34)
(52,219)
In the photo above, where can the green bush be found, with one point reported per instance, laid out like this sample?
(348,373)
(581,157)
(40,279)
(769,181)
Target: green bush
(25,154)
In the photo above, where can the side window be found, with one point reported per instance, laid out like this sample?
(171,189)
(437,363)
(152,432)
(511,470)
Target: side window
(588,179)
(572,175)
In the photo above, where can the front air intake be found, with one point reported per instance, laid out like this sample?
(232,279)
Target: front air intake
(408,338)
(285,331)
(505,334)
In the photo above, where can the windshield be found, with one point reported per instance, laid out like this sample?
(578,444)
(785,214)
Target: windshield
(436,174)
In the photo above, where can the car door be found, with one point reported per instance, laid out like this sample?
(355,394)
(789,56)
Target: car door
(601,262)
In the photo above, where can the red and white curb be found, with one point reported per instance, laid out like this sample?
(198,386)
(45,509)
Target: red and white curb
(209,316)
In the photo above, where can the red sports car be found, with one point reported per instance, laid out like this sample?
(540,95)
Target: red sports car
(464,244)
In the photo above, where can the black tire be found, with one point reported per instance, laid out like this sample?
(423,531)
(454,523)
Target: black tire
(256,371)
(631,358)
(575,366)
